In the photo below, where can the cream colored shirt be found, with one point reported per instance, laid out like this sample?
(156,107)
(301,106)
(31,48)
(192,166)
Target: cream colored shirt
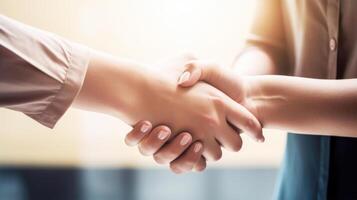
(40,73)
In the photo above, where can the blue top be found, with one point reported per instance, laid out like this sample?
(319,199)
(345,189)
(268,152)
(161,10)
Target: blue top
(305,170)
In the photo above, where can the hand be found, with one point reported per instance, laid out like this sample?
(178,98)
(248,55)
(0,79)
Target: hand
(131,92)
(202,110)
(227,81)
(180,152)
(180,160)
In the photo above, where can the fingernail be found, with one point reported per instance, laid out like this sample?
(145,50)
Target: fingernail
(197,147)
(184,77)
(144,128)
(163,134)
(185,140)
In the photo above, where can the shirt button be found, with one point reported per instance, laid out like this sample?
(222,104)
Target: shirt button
(333,44)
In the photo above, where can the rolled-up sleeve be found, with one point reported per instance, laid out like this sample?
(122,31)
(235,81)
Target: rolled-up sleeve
(40,73)
(268,31)
(268,27)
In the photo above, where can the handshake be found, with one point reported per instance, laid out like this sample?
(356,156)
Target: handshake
(188,109)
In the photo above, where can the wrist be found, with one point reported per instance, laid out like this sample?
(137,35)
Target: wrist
(267,95)
(147,96)
(114,86)
(253,96)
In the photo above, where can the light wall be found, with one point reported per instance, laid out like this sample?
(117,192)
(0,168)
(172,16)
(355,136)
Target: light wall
(143,30)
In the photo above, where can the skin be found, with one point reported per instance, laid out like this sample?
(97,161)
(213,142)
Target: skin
(253,61)
(170,153)
(295,104)
(182,157)
(301,105)
(207,113)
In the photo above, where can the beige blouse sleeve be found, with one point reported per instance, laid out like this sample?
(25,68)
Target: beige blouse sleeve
(40,73)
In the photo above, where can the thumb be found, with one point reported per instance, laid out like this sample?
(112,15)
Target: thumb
(222,79)
(192,74)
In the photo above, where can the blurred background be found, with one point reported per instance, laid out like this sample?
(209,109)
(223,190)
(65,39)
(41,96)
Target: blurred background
(85,157)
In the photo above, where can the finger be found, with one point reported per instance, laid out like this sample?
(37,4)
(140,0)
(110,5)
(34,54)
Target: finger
(174,149)
(188,159)
(212,150)
(191,75)
(199,70)
(229,138)
(213,74)
(153,142)
(139,131)
(200,165)
(244,120)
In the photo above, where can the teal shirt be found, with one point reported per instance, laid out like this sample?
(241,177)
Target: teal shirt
(305,169)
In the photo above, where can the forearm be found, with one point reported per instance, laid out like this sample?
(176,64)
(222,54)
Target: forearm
(113,86)
(325,107)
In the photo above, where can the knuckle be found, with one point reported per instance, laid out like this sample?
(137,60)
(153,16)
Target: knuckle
(217,102)
(251,125)
(211,121)
(166,157)
(191,65)
(172,154)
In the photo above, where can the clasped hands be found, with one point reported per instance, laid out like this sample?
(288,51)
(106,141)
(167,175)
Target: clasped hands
(208,107)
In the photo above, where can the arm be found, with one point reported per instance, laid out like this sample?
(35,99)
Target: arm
(265,53)
(265,48)
(41,74)
(257,61)
(129,91)
(250,62)
(263,56)
(323,107)
(114,86)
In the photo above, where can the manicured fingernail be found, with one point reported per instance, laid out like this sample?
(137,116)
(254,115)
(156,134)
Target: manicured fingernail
(184,77)
(144,128)
(197,147)
(185,140)
(163,134)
